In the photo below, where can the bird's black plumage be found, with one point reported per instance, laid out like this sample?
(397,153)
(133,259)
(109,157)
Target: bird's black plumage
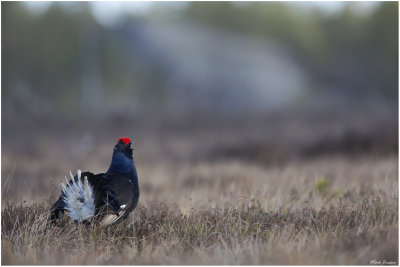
(115,193)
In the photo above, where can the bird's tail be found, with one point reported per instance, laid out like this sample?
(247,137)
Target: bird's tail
(79,198)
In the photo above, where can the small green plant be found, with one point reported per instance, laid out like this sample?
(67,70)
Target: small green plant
(321,186)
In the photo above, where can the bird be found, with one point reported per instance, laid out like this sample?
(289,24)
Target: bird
(104,198)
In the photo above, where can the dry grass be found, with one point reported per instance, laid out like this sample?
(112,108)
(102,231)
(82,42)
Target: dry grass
(325,211)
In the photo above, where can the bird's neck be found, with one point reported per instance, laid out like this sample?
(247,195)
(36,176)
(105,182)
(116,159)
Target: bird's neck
(123,164)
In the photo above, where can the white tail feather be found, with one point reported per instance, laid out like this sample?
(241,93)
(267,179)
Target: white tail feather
(79,198)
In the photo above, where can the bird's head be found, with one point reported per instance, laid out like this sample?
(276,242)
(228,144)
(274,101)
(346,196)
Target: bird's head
(124,146)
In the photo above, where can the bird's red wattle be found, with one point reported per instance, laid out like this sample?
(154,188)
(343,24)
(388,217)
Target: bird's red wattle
(124,140)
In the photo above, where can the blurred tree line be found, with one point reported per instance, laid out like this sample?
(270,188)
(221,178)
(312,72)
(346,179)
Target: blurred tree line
(53,60)
(64,60)
(352,50)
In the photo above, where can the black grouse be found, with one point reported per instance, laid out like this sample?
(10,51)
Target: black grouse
(104,197)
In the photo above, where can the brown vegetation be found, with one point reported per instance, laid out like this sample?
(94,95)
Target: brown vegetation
(325,211)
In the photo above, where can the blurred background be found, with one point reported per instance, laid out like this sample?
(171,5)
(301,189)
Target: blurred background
(268,83)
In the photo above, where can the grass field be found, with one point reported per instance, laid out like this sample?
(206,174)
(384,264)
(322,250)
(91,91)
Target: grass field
(327,210)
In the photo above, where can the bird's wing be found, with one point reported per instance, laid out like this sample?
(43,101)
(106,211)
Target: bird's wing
(113,210)
(110,219)
(117,200)
(111,201)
